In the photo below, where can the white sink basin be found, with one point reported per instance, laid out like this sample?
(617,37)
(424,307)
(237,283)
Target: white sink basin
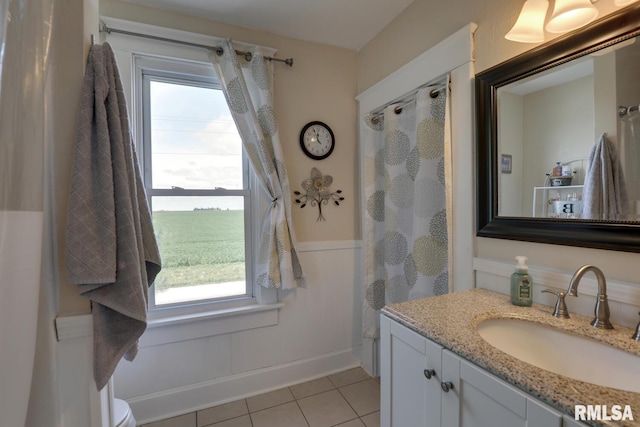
(563,353)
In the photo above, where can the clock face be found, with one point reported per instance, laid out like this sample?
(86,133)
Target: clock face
(316,140)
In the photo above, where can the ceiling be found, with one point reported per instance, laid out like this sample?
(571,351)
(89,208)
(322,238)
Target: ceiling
(345,23)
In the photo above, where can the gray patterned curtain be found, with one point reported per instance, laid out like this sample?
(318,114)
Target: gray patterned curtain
(247,88)
(405,219)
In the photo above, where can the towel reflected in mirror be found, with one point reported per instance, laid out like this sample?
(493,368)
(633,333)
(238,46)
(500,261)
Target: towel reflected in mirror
(605,192)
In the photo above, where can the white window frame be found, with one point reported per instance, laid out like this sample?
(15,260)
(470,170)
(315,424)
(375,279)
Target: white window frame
(199,319)
(167,70)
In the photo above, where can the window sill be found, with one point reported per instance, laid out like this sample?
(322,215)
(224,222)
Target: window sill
(184,327)
(178,328)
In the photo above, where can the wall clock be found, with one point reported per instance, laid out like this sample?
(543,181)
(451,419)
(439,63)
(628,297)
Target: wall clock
(317,140)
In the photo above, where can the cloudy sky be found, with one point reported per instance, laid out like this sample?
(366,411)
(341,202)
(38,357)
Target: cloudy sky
(195,145)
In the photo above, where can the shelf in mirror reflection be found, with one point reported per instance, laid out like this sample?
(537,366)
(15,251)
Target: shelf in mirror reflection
(558,202)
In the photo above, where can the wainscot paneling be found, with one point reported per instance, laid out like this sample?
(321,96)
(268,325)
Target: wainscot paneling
(317,332)
(624,298)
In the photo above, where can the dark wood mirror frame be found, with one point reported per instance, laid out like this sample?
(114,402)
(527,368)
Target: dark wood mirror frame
(614,235)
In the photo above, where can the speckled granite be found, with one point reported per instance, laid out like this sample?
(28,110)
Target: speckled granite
(451,321)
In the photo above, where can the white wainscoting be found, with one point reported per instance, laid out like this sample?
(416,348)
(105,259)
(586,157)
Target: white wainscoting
(318,332)
(80,402)
(624,298)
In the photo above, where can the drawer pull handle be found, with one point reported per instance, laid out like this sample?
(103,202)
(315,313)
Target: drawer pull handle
(446,386)
(429,373)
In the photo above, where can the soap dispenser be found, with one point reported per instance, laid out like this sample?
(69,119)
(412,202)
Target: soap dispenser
(521,284)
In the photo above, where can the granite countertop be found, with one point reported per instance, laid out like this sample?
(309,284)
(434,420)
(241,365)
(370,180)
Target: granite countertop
(451,321)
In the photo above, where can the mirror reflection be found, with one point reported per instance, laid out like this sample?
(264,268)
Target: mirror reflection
(569,139)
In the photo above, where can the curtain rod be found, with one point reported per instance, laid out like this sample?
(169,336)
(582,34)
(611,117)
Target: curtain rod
(247,55)
(624,111)
(408,99)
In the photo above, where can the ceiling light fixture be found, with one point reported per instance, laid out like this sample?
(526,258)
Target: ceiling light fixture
(529,26)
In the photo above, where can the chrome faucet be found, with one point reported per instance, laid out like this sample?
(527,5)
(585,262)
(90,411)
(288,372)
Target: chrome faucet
(602,305)
(636,336)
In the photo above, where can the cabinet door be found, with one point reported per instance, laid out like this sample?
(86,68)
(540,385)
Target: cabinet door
(408,397)
(452,398)
(487,401)
(568,421)
(541,415)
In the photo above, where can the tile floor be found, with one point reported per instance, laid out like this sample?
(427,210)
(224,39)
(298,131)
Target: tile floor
(346,399)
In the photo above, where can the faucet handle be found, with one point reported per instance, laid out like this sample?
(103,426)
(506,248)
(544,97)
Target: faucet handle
(561,307)
(636,336)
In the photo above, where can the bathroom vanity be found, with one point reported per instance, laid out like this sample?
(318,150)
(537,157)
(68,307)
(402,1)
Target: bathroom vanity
(437,370)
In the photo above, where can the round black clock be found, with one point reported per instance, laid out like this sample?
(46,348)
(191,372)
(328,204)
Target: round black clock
(317,140)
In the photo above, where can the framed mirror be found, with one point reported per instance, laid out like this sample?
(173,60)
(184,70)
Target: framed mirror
(540,115)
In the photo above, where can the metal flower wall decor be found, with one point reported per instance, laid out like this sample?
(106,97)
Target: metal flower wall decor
(318,192)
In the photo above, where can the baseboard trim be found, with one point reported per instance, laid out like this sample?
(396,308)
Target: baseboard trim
(182,400)
(370,356)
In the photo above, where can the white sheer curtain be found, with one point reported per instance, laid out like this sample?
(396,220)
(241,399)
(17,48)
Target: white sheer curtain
(27,301)
(248,89)
(406,192)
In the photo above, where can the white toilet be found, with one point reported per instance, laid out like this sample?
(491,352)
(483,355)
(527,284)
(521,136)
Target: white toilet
(122,415)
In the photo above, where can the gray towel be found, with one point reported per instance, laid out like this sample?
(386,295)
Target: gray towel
(112,254)
(605,193)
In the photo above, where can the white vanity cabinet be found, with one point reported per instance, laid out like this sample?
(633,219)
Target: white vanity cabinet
(423,384)
(408,396)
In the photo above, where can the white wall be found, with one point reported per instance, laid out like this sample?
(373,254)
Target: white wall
(511,143)
(538,130)
(318,332)
(315,332)
(558,127)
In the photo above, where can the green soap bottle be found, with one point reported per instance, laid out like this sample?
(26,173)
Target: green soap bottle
(521,284)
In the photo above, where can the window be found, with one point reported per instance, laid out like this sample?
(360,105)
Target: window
(197,180)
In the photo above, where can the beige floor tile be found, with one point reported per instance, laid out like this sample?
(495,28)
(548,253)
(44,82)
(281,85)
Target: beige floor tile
(222,412)
(352,423)
(311,387)
(349,377)
(243,421)
(186,420)
(372,420)
(268,400)
(364,397)
(326,409)
(288,415)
